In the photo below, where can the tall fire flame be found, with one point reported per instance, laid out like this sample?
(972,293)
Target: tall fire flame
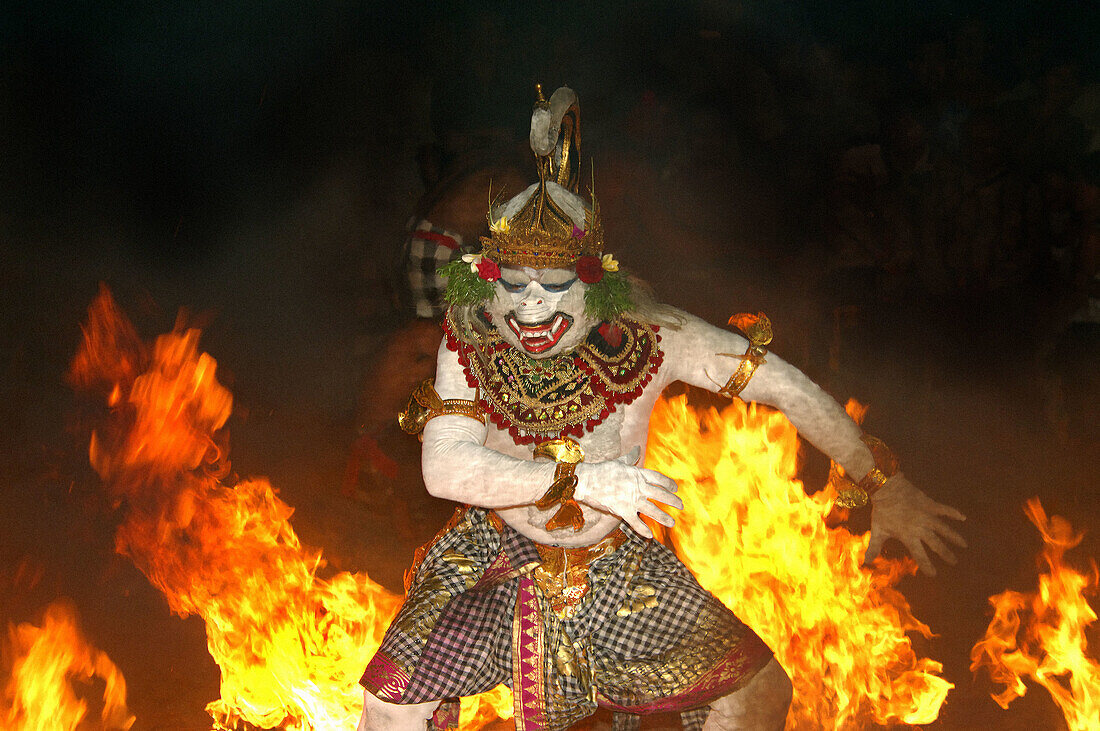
(41,664)
(1041,635)
(290,643)
(754,538)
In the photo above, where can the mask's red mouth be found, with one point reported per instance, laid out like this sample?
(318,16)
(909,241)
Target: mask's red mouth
(541,336)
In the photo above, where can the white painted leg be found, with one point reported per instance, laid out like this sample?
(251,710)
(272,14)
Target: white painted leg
(378,715)
(759,706)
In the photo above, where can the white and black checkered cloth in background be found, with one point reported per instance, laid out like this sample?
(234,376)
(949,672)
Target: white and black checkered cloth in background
(427,248)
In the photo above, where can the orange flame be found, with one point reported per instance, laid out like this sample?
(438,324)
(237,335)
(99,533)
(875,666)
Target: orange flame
(1041,635)
(291,644)
(481,710)
(755,539)
(42,661)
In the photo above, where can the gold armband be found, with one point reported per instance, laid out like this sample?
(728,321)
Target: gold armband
(758,329)
(425,404)
(567,453)
(886,466)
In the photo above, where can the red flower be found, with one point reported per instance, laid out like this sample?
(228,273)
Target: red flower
(590,269)
(613,334)
(488,270)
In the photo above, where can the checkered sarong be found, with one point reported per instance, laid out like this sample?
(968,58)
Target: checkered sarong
(427,248)
(646,638)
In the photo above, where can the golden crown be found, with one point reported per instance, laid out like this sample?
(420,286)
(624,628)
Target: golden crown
(541,235)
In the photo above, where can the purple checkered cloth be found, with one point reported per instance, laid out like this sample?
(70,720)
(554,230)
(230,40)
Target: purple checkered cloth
(453,636)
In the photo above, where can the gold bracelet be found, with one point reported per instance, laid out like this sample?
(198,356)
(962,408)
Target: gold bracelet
(568,454)
(886,466)
(758,329)
(425,404)
(873,481)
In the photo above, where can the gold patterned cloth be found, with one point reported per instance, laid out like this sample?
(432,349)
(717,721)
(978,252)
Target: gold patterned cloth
(565,395)
(642,637)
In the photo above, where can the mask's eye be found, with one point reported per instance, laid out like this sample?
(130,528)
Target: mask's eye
(559,287)
(512,288)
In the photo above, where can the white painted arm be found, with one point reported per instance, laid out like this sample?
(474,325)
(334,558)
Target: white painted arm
(693,353)
(457,466)
(900,510)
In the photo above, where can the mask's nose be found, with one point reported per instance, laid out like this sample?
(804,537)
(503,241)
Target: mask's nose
(533,295)
(533,303)
(531,299)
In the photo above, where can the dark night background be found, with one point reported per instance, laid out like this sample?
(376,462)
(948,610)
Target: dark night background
(910,190)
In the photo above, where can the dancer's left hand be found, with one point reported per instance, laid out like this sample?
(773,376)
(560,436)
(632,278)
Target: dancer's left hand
(900,510)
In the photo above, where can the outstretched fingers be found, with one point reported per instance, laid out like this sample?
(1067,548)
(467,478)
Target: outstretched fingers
(655,492)
(918,554)
(658,494)
(653,511)
(874,547)
(945,510)
(653,477)
(638,525)
(630,493)
(951,535)
(915,543)
(940,548)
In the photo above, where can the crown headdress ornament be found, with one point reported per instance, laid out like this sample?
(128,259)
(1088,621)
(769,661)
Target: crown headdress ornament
(548,226)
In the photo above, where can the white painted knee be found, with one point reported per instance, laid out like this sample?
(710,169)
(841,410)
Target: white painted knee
(761,705)
(379,715)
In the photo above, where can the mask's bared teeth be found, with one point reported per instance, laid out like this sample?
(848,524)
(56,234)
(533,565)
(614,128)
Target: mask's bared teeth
(529,332)
(539,338)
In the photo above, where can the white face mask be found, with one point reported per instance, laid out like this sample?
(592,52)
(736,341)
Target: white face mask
(540,311)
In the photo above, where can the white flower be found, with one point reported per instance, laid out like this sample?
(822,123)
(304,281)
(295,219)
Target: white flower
(473,260)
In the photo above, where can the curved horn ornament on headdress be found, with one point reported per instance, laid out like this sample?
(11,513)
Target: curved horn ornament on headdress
(556,136)
(549,225)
